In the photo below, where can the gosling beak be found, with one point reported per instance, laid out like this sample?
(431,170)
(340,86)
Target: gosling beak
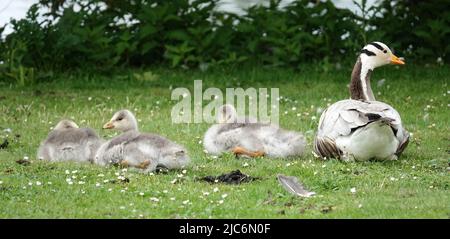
(396,61)
(108,125)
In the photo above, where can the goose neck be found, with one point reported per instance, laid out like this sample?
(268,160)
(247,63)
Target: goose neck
(360,88)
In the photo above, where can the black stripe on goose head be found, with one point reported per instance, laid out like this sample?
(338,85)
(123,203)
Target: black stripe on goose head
(378,46)
(367,52)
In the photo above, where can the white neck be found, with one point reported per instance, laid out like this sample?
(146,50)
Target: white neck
(360,88)
(365,81)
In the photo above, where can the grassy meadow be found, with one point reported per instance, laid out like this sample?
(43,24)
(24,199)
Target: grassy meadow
(415,186)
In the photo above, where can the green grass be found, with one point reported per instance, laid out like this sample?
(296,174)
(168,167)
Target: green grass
(416,186)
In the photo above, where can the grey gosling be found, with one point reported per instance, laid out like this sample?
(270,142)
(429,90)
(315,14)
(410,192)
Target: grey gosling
(134,149)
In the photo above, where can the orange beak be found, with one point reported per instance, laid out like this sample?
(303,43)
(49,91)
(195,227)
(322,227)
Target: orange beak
(396,61)
(108,125)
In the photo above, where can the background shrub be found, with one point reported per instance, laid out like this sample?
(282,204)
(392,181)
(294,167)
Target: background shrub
(102,34)
(421,29)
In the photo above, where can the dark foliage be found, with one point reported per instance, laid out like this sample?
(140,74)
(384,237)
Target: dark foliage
(102,34)
(419,29)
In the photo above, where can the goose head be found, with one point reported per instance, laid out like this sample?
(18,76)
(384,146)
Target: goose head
(66,124)
(122,120)
(373,55)
(226,114)
(376,54)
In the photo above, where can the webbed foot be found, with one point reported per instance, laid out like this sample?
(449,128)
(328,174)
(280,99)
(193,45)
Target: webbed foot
(124,163)
(144,165)
(242,151)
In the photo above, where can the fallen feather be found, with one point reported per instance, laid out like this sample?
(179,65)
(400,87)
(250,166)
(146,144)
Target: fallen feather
(292,185)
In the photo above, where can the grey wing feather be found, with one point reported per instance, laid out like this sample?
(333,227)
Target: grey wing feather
(136,137)
(122,139)
(245,126)
(153,139)
(112,155)
(349,115)
(292,185)
(133,139)
(344,116)
(230,126)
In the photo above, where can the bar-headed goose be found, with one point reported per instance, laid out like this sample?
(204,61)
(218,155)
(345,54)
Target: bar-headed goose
(244,136)
(139,150)
(68,142)
(362,128)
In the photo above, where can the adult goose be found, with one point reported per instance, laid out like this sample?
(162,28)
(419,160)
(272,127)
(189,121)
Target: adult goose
(362,128)
(139,150)
(244,136)
(68,142)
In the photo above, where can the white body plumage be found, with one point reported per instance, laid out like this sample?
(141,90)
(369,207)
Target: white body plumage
(362,128)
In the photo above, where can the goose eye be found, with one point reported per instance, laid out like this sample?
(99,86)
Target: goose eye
(119,119)
(385,51)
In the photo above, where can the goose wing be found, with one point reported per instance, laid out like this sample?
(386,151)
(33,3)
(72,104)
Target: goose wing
(112,151)
(136,141)
(122,139)
(157,141)
(343,117)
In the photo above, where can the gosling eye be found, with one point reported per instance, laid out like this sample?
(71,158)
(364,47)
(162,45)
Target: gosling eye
(119,119)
